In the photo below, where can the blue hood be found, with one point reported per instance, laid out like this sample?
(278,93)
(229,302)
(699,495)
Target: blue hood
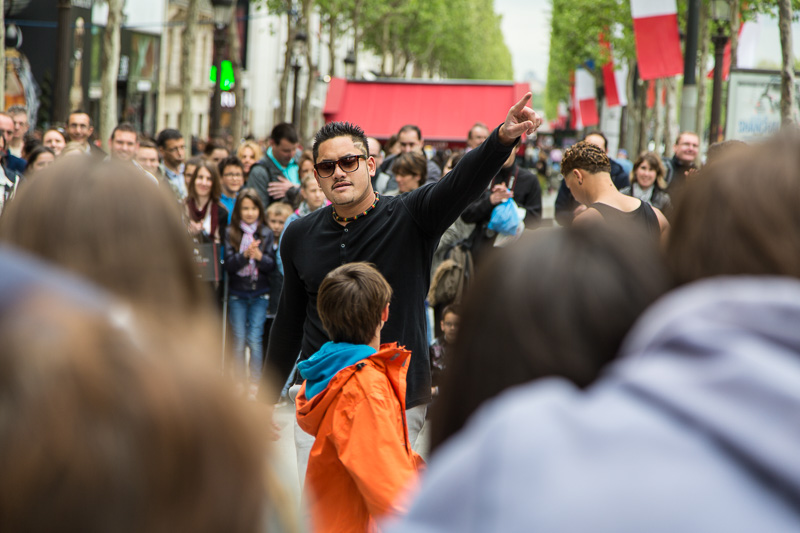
(318,369)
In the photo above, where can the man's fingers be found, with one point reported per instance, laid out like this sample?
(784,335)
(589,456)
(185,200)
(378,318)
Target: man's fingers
(519,106)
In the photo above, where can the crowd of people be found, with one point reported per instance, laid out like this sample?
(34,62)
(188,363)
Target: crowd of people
(634,369)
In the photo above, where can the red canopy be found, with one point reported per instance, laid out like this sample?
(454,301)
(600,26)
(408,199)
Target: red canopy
(443,110)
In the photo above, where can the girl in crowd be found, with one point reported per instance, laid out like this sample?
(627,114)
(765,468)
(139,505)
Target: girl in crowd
(39,158)
(410,172)
(207,218)
(306,165)
(55,139)
(249,153)
(647,182)
(249,259)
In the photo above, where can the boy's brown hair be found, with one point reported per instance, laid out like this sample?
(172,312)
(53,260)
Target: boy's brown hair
(350,301)
(585,156)
(279,208)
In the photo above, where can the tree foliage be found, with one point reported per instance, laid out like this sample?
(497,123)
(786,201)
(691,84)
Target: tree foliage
(576,27)
(450,38)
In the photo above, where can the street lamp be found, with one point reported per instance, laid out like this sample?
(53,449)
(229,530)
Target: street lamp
(350,64)
(720,14)
(300,38)
(222,17)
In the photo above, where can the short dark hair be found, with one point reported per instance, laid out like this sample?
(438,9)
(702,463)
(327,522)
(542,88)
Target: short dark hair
(411,163)
(230,161)
(451,308)
(599,134)
(284,130)
(341,129)
(146,142)
(585,156)
(168,134)
(411,127)
(34,154)
(476,125)
(125,126)
(81,112)
(214,144)
(350,301)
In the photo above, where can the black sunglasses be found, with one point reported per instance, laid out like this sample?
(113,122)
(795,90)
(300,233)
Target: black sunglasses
(348,163)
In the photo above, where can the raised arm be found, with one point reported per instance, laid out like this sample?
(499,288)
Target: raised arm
(435,207)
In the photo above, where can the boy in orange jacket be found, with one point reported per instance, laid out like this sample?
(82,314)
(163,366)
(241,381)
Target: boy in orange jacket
(353,402)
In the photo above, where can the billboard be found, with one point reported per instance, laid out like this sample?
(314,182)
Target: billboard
(754,104)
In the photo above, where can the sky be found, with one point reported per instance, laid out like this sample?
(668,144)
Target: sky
(526,27)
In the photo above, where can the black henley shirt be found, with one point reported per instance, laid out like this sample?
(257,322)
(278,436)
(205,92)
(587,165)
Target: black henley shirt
(399,237)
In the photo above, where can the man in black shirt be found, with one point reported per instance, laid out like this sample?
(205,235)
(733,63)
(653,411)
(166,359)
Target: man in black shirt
(398,234)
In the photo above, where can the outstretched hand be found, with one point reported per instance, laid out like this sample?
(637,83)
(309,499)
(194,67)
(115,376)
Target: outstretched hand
(520,119)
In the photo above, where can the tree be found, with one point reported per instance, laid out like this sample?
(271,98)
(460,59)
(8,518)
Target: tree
(110,70)
(187,54)
(787,62)
(3,63)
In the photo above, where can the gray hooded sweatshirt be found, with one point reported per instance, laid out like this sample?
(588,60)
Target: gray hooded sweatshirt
(695,429)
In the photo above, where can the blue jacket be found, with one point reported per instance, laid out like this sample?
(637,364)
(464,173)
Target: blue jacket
(694,429)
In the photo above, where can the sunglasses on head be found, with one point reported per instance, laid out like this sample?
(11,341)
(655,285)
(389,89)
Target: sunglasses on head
(348,163)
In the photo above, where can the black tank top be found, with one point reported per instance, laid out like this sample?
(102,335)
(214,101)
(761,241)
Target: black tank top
(643,215)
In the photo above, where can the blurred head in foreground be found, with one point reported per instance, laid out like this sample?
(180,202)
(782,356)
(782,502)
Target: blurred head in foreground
(557,303)
(740,215)
(109,426)
(111,224)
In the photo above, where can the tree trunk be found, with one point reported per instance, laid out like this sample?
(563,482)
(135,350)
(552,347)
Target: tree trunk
(310,78)
(3,62)
(110,72)
(670,115)
(356,34)
(332,47)
(188,45)
(385,47)
(787,62)
(287,67)
(658,117)
(631,131)
(641,142)
(702,81)
(235,48)
(736,21)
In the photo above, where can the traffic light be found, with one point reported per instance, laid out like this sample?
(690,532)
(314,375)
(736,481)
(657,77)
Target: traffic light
(226,79)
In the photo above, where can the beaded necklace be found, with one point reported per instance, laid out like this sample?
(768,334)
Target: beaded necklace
(337,218)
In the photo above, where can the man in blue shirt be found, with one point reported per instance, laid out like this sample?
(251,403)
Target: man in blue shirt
(277,175)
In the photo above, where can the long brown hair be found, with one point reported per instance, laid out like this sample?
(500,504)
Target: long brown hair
(556,303)
(234,231)
(110,223)
(216,183)
(654,162)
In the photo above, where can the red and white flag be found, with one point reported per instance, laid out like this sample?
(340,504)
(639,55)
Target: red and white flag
(586,96)
(614,80)
(577,123)
(658,44)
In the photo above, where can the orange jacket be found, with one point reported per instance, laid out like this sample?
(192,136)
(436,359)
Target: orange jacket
(361,460)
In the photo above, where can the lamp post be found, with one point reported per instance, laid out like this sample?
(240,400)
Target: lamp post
(720,14)
(222,17)
(350,64)
(300,38)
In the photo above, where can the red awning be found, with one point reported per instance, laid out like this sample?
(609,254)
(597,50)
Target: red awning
(443,110)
